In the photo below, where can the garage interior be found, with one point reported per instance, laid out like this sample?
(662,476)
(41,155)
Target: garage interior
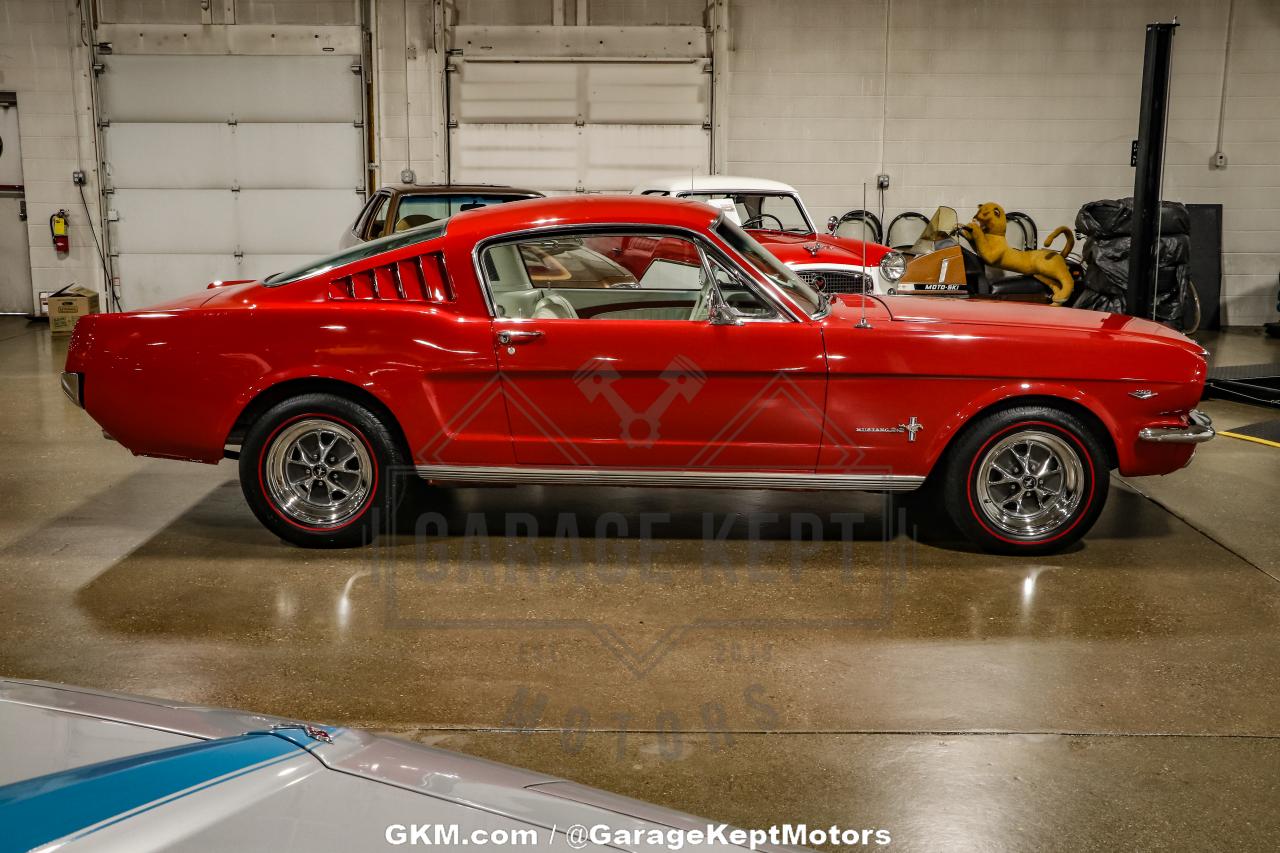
(1121,694)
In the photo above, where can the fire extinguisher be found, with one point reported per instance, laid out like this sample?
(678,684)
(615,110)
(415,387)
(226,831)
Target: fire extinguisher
(58,230)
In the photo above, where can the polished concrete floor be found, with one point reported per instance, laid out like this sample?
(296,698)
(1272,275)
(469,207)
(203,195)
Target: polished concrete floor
(1121,696)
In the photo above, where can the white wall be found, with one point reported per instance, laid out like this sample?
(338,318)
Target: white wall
(51,78)
(1029,102)
(1032,103)
(407,66)
(306,12)
(44,58)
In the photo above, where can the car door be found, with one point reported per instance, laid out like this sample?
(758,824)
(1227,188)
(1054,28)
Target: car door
(608,358)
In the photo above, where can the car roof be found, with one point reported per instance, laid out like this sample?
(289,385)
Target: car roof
(713,183)
(458,189)
(628,210)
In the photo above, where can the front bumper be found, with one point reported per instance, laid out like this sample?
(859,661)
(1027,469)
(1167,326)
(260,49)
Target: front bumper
(73,387)
(1198,430)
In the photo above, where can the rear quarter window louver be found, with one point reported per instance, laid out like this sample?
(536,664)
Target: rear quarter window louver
(416,279)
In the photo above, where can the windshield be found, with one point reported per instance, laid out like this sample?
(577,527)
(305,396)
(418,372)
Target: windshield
(769,211)
(776,271)
(360,252)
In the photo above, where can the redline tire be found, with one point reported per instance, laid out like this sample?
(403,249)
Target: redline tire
(1025,480)
(316,470)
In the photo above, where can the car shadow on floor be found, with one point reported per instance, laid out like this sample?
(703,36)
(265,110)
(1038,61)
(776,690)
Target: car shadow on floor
(836,559)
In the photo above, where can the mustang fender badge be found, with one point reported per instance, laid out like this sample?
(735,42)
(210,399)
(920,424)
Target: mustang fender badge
(911,427)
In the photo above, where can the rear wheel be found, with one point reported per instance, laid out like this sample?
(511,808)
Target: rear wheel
(315,470)
(1027,480)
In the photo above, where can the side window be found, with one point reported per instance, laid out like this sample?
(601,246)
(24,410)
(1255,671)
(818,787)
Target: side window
(781,211)
(377,226)
(597,277)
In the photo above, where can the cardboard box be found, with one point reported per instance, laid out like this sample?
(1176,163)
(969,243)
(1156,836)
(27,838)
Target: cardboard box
(68,305)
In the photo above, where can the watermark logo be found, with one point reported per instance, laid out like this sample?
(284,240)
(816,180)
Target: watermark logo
(640,428)
(572,552)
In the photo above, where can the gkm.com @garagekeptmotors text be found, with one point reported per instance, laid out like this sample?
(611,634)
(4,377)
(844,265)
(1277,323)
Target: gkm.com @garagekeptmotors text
(582,837)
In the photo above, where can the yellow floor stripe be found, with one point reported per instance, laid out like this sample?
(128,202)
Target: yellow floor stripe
(1249,438)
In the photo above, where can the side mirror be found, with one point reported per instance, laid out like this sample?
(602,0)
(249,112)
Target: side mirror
(719,313)
(832,224)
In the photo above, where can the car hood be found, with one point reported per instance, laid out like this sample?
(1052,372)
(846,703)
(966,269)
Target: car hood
(791,248)
(942,309)
(72,743)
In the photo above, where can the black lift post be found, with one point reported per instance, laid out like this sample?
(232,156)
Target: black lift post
(1149,162)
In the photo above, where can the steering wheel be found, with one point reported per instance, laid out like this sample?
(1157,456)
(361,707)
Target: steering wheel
(758,221)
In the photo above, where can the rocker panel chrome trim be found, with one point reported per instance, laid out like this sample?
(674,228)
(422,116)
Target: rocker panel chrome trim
(641,477)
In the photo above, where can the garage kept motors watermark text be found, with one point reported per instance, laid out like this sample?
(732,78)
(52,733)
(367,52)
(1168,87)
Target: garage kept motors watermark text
(627,553)
(579,836)
(836,565)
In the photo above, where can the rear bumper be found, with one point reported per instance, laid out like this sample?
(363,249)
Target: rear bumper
(1199,429)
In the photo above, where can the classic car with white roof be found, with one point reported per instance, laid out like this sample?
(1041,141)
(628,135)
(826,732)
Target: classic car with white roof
(776,216)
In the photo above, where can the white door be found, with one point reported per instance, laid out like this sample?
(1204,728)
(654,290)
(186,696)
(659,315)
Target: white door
(227,167)
(577,125)
(15,252)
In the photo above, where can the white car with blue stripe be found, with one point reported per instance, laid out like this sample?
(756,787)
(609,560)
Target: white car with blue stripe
(87,770)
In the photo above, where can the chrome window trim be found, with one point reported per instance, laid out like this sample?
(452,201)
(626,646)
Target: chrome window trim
(366,215)
(794,308)
(669,477)
(742,319)
(767,292)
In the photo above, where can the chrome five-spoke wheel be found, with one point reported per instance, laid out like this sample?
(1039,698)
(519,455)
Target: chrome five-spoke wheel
(1029,479)
(318,472)
(1029,483)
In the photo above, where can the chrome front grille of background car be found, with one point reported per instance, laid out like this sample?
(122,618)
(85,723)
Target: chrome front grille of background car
(836,281)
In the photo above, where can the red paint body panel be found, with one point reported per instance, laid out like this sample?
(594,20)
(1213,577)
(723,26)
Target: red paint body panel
(666,394)
(767,396)
(946,360)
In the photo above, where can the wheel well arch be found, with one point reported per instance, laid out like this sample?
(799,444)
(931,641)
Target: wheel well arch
(273,394)
(1091,420)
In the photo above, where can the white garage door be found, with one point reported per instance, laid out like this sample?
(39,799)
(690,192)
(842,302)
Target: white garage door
(226,167)
(577,125)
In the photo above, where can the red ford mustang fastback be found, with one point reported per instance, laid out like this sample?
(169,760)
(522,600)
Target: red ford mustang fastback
(640,342)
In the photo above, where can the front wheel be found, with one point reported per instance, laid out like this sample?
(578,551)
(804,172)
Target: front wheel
(1027,480)
(315,470)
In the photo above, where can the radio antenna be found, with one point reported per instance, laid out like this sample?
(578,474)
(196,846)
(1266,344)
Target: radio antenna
(866,277)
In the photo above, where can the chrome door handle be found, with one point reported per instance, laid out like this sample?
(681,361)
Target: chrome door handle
(517,336)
